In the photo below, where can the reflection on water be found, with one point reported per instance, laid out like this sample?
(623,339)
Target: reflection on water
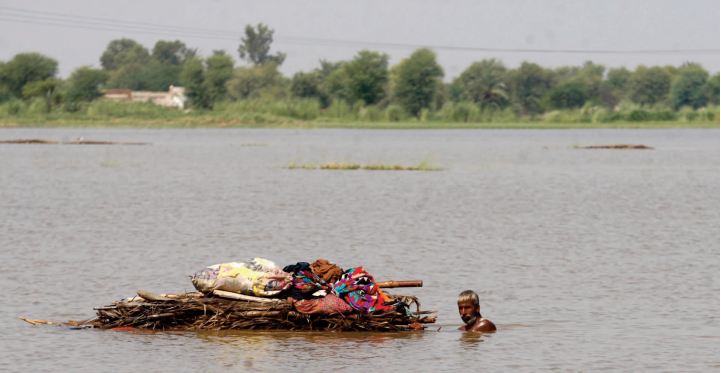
(470,340)
(261,348)
(559,243)
(251,340)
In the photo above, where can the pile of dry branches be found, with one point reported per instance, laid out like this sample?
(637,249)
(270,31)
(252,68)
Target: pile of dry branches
(195,311)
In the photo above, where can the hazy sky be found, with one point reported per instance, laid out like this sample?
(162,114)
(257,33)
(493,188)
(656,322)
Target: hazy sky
(460,31)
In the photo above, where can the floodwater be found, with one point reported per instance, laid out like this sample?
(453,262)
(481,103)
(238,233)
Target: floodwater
(585,259)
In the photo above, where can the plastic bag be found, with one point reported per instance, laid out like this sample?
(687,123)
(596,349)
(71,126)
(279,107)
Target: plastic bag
(259,277)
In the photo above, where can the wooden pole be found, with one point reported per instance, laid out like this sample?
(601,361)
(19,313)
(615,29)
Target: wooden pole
(400,284)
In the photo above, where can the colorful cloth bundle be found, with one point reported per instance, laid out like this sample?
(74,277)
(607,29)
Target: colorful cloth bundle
(307,283)
(357,287)
(321,287)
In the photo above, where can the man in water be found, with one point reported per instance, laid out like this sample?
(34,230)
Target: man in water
(470,311)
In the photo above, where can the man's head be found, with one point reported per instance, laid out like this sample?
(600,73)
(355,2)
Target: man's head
(468,307)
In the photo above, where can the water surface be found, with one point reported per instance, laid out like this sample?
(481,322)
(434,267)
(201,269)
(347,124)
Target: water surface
(585,259)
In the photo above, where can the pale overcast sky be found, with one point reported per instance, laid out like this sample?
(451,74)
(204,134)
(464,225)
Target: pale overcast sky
(460,31)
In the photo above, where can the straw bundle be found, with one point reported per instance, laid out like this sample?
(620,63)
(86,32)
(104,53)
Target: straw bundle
(195,311)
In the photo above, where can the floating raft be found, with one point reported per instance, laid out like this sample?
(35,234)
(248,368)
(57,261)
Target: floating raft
(617,146)
(79,141)
(229,311)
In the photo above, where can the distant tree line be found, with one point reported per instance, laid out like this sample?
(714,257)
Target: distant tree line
(414,87)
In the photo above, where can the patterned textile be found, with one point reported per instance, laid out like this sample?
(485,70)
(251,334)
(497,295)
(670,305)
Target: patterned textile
(305,283)
(358,288)
(328,305)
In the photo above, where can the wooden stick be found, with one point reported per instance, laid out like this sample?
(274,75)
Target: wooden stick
(152,296)
(148,295)
(36,321)
(400,284)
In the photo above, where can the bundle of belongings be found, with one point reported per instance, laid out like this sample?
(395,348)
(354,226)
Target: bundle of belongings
(318,288)
(258,294)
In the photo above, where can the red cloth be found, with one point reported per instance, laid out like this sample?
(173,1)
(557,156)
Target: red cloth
(328,305)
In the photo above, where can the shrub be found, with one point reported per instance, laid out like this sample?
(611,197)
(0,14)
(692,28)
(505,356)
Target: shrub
(371,114)
(638,115)
(38,105)
(339,109)
(13,107)
(395,113)
(464,112)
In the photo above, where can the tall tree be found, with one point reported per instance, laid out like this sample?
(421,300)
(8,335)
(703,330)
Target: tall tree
(529,83)
(156,76)
(46,89)
(84,84)
(568,95)
(256,81)
(218,71)
(307,85)
(128,76)
(25,68)
(650,85)
(172,52)
(193,79)
(615,87)
(255,46)
(484,83)
(122,52)
(618,78)
(325,82)
(416,80)
(688,87)
(712,89)
(366,77)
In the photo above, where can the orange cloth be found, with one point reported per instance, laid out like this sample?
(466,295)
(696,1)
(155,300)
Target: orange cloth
(326,270)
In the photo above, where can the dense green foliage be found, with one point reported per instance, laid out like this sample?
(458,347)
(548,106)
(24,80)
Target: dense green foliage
(123,52)
(484,83)
(416,80)
(26,68)
(84,85)
(529,85)
(650,85)
(219,69)
(364,78)
(256,81)
(193,78)
(363,89)
(687,88)
(130,65)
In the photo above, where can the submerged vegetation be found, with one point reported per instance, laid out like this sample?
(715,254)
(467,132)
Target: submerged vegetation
(363,92)
(423,166)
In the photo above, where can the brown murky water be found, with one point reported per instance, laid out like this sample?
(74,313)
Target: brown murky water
(585,259)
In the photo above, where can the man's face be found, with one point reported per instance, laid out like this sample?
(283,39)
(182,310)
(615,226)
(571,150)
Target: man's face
(468,311)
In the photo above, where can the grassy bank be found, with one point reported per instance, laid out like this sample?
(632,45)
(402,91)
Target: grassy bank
(307,114)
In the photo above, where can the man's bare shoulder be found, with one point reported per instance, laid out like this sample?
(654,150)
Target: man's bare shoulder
(484,326)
